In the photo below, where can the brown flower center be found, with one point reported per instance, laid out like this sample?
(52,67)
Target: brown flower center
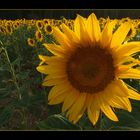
(130,32)
(90,69)
(49,28)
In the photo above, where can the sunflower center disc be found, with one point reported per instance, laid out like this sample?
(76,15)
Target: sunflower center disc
(90,69)
(49,28)
(130,32)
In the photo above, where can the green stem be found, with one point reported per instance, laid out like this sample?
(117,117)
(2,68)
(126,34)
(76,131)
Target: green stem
(12,71)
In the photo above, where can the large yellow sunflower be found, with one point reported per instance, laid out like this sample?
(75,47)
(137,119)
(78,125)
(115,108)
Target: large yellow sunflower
(87,69)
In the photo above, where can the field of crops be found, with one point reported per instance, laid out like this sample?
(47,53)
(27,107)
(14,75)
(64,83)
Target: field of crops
(24,99)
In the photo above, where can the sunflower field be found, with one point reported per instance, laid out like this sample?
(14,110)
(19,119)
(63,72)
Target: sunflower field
(70,74)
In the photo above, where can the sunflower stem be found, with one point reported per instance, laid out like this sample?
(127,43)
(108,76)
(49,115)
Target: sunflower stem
(12,70)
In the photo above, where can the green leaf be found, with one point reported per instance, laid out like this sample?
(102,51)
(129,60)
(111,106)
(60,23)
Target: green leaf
(4,92)
(5,115)
(85,124)
(126,121)
(23,75)
(16,61)
(57,122)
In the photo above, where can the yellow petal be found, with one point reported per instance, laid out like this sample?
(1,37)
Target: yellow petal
(77,107)
(93,115)
(69,33)
(121,69)
(78,117)
(48,77)
(108,112)
(55,49)
(120,35)
(128,49)
(61,38)
(53,81)
(48,69)
(131,73)
(123,59)
(69,100)
(122,86)
(122,103)
(51,59)
(107,33)
(133,94)
(43,57)
(93,28)
(116,89)
(58,99)
(79,26)
(80,114)
(42,69)
(58,89)
(93,111)
(80,30)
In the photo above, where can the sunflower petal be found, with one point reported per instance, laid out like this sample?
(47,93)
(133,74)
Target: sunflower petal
(69,33)
(123,59)
(55,49)
(128,49)
(48,69)
(58,89)
(42,69)
(79,26)
(93,115)
(116,89)
(58,99)
(61,38)
(80,29)
(131,73)
(108,112)
(93,111)
(69,101)
(122,86)
(80,114)
(133,94)
(77,107)
(107,33)
(53,81)
(120,35)
(51,59)
(93,28)
(122,103)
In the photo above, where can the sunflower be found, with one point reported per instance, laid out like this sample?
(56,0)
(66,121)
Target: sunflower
(132,32)
(87,69)
(138,25)
(15,26)
(2,30)
(31,42)
(102,22)
(127,19)
(45,21)
(69,24)
(48,29)
(9,29)
(38,35)
(39,24)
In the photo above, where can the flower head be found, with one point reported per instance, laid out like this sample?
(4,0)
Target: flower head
(87,69)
